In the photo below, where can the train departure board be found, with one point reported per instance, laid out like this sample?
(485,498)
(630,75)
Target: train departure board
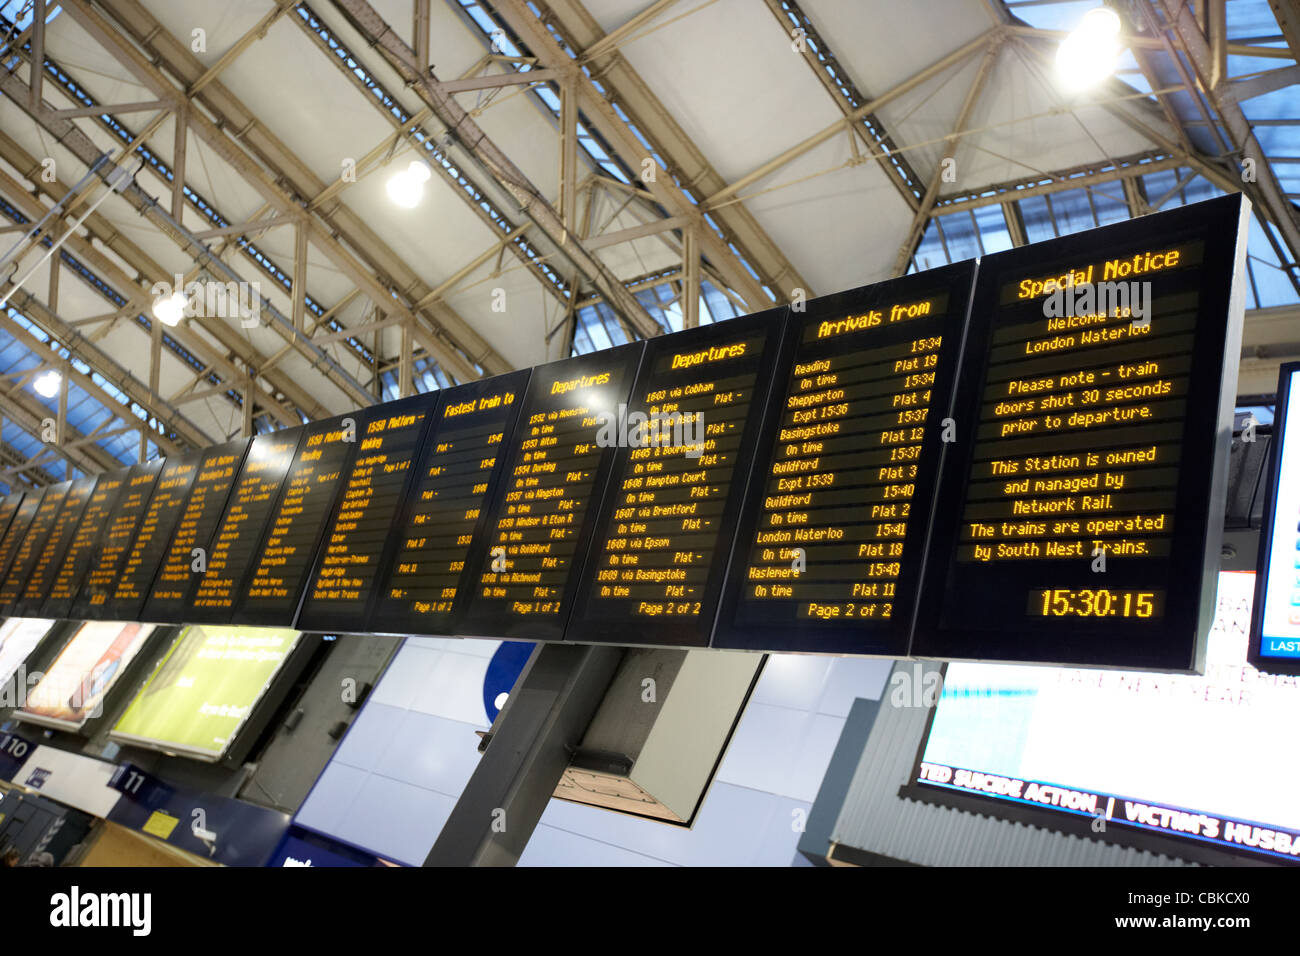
(40,580)
(16,533)
(236,545)
(540,519)
(658,553)
(270,596)
(111,553)
(1081,510)
(178,573)
(32,544)
(8,508)
(427,576)
(72,570)
(348,560)
(828,551)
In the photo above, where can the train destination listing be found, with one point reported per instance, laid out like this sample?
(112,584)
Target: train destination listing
(120,531)
(131,588)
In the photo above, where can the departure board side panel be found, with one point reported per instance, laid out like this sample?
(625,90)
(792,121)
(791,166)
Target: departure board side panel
(1079,506)
(525,574)
(16,533)
(272,589)
(110,553)
(343,581)
(658,554)
(32,546)
(236,546)
(426,579)
(41,579)
(828,551)
(8,509)
(94,519)
(169,593)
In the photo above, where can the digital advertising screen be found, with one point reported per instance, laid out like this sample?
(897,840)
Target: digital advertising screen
(271,594)
(37,586)
(236,544)
(348,561)
(539,522)
(1080,514)
(18,638)
(427,576)
(657,556)
(203,689)
(75,684)
(1275,634)
(1122,755)
(827,556)
(90,529)
(110,555)
(205,503)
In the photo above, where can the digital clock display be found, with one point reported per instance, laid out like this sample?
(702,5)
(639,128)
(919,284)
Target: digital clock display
(1096,602)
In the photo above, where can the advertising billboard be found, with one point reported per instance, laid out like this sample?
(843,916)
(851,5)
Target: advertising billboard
(73,689)
(18,638)
(204,688)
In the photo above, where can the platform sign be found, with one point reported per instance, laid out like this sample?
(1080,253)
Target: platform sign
(85,540)
(542,515)
(828,553)
(1275,623)
(1081,510)
(271,593)
(658,552)
(343,582)
(427,580)
(236,546)
(147,543)
(109,555)
(32,544)
(190,546)
(50,558)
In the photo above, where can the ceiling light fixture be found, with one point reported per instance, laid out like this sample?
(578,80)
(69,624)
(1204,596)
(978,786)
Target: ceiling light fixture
(1091,52)
(406,188)
(169,309)
(47,383)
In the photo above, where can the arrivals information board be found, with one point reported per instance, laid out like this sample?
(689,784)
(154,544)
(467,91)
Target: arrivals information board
(685,448)
(37,586)
(542,515)
(427,579)
(33,544)
(16,534)
(828,554)
(348,561)
(94,518)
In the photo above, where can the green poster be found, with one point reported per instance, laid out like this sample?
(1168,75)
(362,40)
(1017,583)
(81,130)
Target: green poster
(204,688)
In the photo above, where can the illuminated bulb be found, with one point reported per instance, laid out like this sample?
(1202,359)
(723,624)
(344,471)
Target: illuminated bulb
(407,187)
(169,309)
(500,700)
(1091,52)
(47,383)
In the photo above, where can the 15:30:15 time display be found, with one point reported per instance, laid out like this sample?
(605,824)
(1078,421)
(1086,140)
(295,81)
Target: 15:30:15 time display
(1095,602)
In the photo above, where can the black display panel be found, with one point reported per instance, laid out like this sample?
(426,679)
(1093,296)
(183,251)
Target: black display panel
(244,523)
(41,579)
(110,554)
(16,533)
(1081,511)
(85,540)
(8,508)
(1275,622)
(427,580)
(148,544)
(348,561)
(169,594)
(526,572)
(32,545)
(829,547)
(272,590)
(658,552)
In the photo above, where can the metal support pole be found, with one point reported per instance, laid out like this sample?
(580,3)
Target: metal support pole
(532,740)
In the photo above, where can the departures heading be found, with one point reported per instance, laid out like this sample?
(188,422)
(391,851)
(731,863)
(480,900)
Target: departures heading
(987,461)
